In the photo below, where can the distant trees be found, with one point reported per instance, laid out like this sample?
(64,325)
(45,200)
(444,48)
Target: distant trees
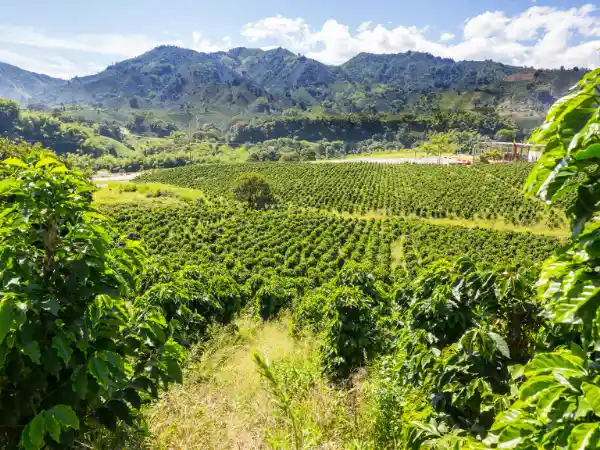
(505,135)
(253,190)
(9,114)
(146,122)
(439,143)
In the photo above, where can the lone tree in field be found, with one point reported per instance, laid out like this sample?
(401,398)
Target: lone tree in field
(252,189)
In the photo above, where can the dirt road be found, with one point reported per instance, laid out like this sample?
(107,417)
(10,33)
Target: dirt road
(102,179)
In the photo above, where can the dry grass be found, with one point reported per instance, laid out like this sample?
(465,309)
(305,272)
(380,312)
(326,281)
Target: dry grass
(225,404)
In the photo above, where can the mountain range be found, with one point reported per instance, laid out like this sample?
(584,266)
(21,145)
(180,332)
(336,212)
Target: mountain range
(254,81)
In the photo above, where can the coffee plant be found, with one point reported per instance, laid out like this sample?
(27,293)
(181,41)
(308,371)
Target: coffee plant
(558,402)
(313,246)
(75,355)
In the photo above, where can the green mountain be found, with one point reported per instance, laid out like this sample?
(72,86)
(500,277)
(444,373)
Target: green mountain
(215,87)
(161,78)
(21,86)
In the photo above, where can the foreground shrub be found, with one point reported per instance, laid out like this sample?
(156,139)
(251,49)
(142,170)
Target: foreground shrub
(349,331)
(74,355)
(272,296)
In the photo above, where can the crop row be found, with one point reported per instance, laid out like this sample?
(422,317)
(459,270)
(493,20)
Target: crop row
(486,191)
(316,245)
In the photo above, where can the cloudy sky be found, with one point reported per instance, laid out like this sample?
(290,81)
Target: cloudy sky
(64,38)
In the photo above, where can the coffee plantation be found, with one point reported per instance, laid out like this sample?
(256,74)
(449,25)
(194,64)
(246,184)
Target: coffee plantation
(483,191)
(444,336)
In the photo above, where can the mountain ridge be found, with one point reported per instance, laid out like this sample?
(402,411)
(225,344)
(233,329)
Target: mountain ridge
(255,81)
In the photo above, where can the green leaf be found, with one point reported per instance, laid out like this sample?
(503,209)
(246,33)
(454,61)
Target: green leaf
(99,371)
(584,436)
(53,427)
(500,344)
(174,370)
(6,318)
(6,186)
(65,415)
(32,437)
(532,388)
(512,436)
(592,395)
(593,151)
(15,162)
(44,161)
(562,361)
(547,400)
(577,350)
(32,349)
(62,345)
(80,383)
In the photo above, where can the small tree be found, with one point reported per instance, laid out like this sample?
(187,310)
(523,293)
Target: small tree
(505,135)
(252,189)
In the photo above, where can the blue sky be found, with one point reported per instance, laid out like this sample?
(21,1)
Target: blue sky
(68,37)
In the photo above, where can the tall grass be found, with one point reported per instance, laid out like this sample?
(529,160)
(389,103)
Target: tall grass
(232,399)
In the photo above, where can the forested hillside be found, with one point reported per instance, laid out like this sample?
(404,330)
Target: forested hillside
(216,87)
(23,86)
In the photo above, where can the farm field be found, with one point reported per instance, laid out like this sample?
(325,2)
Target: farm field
(491,192)
(316,246)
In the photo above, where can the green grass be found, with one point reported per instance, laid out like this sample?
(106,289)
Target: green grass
(116,192)
(109,146)
(500,225)
(495,225)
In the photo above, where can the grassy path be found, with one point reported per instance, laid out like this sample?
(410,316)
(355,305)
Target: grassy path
(225,404)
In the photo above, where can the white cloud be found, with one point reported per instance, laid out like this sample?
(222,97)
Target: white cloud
(485,25)
(201,44)
(290,33)
(53,65)
(540,36)
(127,45)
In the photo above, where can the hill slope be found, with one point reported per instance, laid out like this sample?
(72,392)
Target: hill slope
(21,86)
(252,81)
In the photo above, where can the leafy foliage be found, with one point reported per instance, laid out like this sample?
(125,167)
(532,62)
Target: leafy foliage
(557,405)
(457,329)
(254,191)
(74,353)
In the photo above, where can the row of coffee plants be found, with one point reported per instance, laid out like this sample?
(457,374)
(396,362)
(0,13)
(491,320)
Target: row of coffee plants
(293,243)
(488,192)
